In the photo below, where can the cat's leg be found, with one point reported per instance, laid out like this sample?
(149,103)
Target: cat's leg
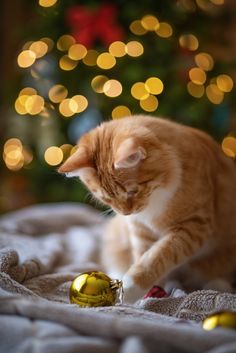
(216,270)
(116,255)
(171,251)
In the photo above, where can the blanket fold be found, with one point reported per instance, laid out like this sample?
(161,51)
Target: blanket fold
(42,249)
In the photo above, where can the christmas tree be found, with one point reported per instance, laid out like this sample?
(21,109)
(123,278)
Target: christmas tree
(82,62)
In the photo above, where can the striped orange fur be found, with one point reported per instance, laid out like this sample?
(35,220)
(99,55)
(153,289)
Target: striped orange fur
(174,194)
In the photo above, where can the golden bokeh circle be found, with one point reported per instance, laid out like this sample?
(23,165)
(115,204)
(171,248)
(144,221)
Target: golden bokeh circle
(112,88)
(134,48)
(98,83)
(53,155)
(197,76)
(49,42)
(34,104)
(28,91)
(117,49)
(57,93)
(81,102)
(77,51)
(139,91)
(225,83)
(196,91)
(67,64)
(120,112)
(66,150)
(137,28)
(204,61)
(189,41)
(20,104)
(106,61)
(149,104)
(39,47)
(47,3)
(26,58)
(91,57)
(214,94)
(229,146)
(150,22)
(165,30)
(65,107)
(65,42)
(154,85)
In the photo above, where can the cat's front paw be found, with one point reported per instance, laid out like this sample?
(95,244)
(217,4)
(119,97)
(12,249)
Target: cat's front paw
(132,292)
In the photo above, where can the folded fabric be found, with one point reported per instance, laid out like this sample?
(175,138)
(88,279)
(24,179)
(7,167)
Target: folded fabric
(42,249)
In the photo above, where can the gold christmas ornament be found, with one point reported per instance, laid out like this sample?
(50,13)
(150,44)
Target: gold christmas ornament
(224,319)
(95,288)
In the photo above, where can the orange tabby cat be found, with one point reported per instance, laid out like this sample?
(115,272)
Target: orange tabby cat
(174,192)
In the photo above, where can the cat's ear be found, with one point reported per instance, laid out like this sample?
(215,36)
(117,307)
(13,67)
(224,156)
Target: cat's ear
(79,159)
(129,154)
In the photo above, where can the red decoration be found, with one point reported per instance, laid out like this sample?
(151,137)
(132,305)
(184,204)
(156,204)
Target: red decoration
(89,26)
(155,292)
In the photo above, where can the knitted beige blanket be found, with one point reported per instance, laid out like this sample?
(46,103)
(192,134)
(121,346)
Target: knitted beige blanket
(42,248)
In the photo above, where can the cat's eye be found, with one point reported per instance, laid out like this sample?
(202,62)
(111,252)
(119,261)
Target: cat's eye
(132,193)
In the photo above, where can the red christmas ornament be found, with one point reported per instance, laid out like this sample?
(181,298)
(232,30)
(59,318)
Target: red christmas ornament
(155,292)
(89,26)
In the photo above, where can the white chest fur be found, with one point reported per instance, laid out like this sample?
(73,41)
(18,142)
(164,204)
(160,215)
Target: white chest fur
(156,207)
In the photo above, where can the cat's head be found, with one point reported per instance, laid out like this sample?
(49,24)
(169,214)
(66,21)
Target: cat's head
(121,164)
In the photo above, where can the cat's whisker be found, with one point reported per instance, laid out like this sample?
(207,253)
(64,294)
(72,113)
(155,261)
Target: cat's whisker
(107,212)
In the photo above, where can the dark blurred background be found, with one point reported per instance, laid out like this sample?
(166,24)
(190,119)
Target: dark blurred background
(67,65)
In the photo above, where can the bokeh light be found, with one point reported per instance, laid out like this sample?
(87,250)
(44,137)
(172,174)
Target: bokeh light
(120,112)
(189,41)
(229,146)
(106,61)
(49,42)
(154,85)
(67,64)
(134,48)
(224,83)
(112,88)
(218,2)
(117,49)
(15,155)
(214,94)
(98,83)
(57,93)
(66,108)
(65,42)
(53,155)
(139,90)
(196,91)
(39,47)
(47,3)
(150,22)
(137,28)
(26,58)
(20,104)
(34,104)
(204,61)
(165,30)
(79,102)
(77,52)
(91,57)
(197,76)
(66,150)
(149,104)
(28,91)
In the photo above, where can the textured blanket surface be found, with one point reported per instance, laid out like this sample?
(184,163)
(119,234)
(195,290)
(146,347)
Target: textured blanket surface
(42,248)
